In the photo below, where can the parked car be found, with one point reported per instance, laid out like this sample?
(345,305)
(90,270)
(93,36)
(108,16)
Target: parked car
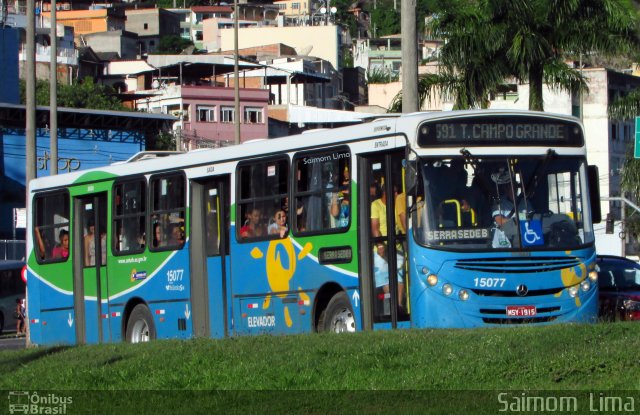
(619,284)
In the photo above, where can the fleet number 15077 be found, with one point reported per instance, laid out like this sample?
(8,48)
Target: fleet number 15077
(489,282)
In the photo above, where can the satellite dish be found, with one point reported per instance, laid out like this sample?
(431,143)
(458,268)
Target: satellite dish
(305,50)
(333,10)
(323,10)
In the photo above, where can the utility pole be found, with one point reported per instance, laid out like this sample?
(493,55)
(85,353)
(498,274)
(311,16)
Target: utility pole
(30,127)
(236,80)
(53,91)
(30,90)
(409,56)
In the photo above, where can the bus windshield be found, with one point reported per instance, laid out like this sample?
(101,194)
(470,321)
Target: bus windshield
(509,203)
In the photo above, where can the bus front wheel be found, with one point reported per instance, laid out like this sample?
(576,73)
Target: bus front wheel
(140,327)
(338,316)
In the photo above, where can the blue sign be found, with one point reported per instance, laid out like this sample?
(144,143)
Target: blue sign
(531,231)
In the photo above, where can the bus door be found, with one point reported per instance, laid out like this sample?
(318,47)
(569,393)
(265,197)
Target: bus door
(383,211)
(210,265)
(91,290)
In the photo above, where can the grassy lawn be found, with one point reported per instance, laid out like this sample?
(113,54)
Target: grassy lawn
(369,371)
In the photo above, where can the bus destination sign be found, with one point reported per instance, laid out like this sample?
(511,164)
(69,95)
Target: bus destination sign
(499,131)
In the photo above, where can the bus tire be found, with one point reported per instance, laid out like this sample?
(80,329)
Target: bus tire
(140,327)
(338,316)
(1,323)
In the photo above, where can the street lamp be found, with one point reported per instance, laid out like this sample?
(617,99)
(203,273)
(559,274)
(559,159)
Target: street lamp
(328,11)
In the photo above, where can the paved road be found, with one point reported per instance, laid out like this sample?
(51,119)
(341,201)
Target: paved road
(10,342)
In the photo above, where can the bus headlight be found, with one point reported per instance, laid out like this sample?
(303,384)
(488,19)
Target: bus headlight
(432,279)
(585,285)
(447,289)
(463,295)
(573,290)
(593,276)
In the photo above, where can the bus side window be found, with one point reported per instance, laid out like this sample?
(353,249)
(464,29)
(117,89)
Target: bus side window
(168,200)
(322,189)
(51,227)
(263,190)
(129,217)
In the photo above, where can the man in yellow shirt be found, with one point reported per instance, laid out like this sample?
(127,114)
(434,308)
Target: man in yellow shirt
(380,264)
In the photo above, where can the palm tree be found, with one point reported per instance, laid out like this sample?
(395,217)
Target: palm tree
(530,41)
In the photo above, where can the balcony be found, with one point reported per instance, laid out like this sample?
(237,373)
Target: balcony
(43,54)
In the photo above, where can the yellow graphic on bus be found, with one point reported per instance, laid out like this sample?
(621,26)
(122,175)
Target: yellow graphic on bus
(570,277)
(278,275)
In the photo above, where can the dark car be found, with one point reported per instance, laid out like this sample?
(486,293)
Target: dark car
(619,284)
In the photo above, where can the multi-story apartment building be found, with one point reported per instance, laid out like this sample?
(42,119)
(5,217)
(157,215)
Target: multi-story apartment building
(211,28)
(122,43)
(294,8)
(382,55)
(151,25)
(201,13)
(66,55)
(91,21)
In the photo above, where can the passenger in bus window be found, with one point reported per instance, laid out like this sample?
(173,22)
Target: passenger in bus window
(252,227)
(504,211)
(157,235)
(90,245)
(340,209)
(345,183)
(103,247)
(176,235)
(278,224)
(380,263)
(301,216)
(42,244)
(62,249)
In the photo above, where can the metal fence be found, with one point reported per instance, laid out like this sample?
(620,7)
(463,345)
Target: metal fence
(13,249)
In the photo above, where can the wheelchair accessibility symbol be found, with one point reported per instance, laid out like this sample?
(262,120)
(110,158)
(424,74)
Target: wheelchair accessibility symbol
(531,231)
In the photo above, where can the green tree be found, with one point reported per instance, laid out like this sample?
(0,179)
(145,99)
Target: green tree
(165,140)
(344,17)
(86,94)
(385,20)
(173,44)
(489,41)
(471,66)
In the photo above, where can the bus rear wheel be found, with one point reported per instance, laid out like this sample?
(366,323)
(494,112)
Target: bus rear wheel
(140,327)
(338,316)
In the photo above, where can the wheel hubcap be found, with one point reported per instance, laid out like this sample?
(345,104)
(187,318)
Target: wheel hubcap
(343,322)
(140,332)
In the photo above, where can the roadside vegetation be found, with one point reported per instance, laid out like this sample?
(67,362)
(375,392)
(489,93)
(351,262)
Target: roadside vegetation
(553,357)
(404,371)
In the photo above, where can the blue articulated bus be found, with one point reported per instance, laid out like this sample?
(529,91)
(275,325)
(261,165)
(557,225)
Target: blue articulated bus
(453,219)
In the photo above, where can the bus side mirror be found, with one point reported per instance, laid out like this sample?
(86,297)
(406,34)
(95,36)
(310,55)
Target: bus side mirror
(594,194)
